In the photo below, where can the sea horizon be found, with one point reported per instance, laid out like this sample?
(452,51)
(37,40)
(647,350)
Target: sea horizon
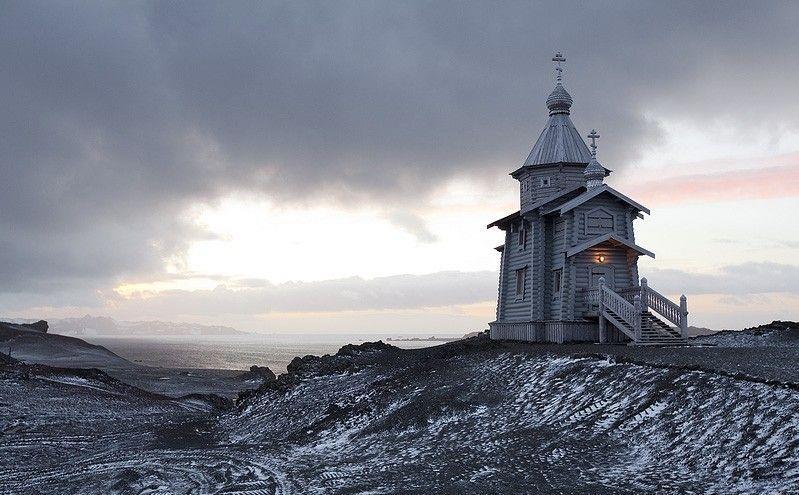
(241,351)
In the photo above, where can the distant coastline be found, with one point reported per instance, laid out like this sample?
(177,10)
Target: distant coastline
(423,339)
(432,338)
(103,326)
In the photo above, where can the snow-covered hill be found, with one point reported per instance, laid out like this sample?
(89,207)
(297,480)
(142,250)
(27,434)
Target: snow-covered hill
(473,416)
(36,346)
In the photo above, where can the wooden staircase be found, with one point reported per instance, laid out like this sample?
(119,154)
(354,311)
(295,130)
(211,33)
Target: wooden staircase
(636,319)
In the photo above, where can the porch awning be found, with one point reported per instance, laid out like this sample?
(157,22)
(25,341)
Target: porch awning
(611,239)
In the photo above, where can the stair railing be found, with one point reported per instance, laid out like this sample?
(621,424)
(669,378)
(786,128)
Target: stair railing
(629,313)
(654,300)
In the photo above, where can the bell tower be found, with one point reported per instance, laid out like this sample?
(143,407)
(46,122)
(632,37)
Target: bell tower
(559,156)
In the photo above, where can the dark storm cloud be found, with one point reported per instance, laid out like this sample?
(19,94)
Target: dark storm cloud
(116,116)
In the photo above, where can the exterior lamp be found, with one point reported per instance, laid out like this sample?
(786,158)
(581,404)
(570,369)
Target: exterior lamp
(601,258)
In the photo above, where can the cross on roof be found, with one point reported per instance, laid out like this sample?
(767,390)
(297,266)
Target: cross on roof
(558,58)
(593,137)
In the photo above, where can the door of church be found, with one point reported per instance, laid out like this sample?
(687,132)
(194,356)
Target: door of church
(598,272)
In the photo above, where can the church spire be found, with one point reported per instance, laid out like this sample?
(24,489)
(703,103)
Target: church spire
(559,142)
(594,172)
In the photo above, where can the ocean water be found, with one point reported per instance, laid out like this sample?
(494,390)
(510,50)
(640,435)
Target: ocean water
(236,353)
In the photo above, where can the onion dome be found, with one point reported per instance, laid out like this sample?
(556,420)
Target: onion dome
(559,100)
(594,173)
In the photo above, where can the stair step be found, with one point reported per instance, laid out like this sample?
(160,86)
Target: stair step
(654,332)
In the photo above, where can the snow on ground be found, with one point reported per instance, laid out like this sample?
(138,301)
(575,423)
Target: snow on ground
(492,420)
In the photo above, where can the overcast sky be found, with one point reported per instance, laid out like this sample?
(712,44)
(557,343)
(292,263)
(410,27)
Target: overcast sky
(301,166)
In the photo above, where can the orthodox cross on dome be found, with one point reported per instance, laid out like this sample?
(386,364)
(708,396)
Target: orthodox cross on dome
(593,137)
(558,58)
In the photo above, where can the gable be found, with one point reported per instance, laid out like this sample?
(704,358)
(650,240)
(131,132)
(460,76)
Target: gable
(611,239)
(604,191)
(599,220)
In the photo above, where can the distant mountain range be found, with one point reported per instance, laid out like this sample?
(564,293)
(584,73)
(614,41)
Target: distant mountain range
(103,326)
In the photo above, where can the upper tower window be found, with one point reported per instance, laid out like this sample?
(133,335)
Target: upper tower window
(546,181)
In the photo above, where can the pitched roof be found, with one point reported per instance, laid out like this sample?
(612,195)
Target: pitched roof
(554,197)
(592,193)
(559,142)
(504,220)
(613,239)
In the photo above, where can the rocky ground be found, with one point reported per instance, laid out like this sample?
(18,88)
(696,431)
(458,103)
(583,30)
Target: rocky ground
(33,344)
(473,416)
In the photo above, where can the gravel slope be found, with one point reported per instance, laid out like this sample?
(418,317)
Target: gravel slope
(468,417)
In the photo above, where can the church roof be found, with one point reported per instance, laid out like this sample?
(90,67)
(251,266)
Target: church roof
(561,194)
(610,238)
(592,193)
(502,221)
(559,142)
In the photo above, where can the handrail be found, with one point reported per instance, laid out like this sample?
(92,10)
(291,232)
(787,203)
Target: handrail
(658,302)
(676,314)
(629,304)
(618,305)
(629,293)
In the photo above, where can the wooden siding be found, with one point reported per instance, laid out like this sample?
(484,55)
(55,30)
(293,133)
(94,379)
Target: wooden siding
(561,177)
(538,264)
(556,262)
(553,331)
(548,239)
(617,259)
(513,307)
(501,283)
(546,270)
(621,225)
(622,263)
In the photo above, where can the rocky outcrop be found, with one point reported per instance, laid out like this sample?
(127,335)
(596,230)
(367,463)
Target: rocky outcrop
(263,372)
(39,326)
(350,358)
(30,342)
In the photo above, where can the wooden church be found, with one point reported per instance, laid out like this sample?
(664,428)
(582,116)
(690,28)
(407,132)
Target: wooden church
(569,264)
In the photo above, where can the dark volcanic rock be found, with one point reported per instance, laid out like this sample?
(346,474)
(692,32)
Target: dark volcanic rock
(32,344)
(6,359)
(356,350)
(263,372)
(348,359)
(39,326)
(774,334)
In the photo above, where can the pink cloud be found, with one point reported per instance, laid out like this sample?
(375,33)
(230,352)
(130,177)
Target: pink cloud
(755,183)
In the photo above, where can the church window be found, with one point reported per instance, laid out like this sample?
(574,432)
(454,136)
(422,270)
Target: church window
(546,181)
(522,235)
(557,281)
(521,275)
